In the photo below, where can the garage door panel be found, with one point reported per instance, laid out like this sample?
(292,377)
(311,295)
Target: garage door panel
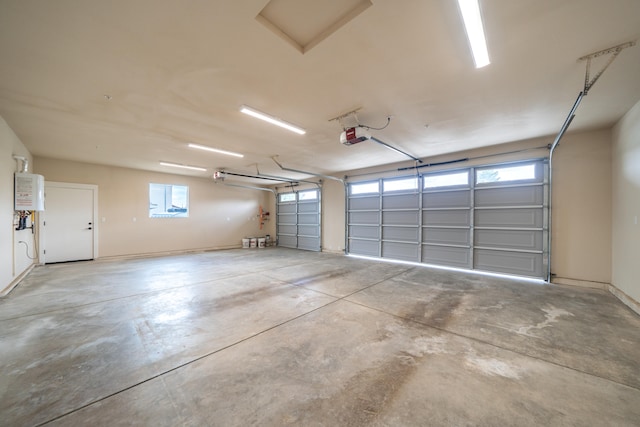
(447,199)
(364,203)
(372,218)
(308,208)
(308,230)
(509,239)
(401,201)
(449,236)
(364,231)
(364,247)
(308,219)
(521,218)
(287,208)
(400,217)
(406,234)
(442,255)
(287,229)
(401,251)
(298,220)
(460,217)
(495,225)
(287,219)
(520,263)
(510,196)
(308,243)
(287,241)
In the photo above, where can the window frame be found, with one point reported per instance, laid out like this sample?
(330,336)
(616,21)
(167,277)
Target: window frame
(364,184)
(302,195)
(179,212)
(290,197)
(415,185)
(537,174)
(446,186)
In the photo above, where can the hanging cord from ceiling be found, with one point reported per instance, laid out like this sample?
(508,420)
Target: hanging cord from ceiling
(354,114)
(282,178)
(371,127)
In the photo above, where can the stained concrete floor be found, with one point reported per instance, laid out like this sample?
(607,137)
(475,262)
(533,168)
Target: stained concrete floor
(282,337)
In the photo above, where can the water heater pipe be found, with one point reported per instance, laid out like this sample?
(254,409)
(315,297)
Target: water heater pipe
(25,163)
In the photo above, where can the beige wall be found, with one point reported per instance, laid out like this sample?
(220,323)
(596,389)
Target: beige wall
(581,200)
(333,216)
(13,255)
(581,209)
(626,204)
(219,216)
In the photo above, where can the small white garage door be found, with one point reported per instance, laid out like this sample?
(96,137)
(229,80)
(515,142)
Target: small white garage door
(490,218)
(298,220)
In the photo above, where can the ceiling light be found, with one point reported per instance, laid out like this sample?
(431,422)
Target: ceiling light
(176,165)
(215,150)
(272,120)
(470,10)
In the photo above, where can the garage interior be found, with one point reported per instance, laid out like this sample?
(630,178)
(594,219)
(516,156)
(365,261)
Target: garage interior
(441,240)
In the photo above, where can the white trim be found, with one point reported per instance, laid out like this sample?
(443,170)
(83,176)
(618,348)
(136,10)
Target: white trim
(625,299)
(169,253)
(579,283)
(15,282)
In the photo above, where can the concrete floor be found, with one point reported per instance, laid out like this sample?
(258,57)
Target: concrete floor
(283,337)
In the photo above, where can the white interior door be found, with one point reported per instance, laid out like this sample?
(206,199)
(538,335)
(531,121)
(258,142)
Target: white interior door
(69,222)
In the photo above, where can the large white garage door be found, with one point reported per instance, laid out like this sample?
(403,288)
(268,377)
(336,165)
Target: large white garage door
(490,218)
(298,220)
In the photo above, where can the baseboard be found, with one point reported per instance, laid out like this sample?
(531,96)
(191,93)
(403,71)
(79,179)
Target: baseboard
(165,253)
(331,251)
(579,283)
(626,299)
(15,282)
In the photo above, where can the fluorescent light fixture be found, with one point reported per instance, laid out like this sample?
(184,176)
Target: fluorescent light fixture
(215,150)
(274,121)
(470,10)
(176,165)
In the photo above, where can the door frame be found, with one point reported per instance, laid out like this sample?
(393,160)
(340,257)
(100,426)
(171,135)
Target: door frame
(41,218)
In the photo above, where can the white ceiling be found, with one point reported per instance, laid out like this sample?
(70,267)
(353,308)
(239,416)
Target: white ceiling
(178,72)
